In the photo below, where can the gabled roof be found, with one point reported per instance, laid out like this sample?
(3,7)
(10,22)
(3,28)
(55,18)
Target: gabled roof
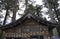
(40,20)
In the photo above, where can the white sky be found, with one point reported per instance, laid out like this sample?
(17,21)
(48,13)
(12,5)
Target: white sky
(39,2)
(21,10)
(59,4)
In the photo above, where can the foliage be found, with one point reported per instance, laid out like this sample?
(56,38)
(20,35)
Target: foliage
(8,3)
(38,9)
(54,5)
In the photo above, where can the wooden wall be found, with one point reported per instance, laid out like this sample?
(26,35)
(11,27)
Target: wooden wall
(28,28)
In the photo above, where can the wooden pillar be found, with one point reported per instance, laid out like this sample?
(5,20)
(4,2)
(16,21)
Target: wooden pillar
(50,34)
(4,38)
(3,35)
(49,37)
(45,37)
(12,38)
(38,37)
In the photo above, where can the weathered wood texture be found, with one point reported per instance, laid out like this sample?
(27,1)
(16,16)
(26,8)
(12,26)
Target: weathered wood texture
(28,28)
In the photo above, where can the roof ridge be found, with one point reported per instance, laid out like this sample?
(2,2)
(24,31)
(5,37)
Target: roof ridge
(31,15)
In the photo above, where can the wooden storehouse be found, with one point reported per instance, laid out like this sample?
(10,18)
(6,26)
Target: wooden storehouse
(29,26)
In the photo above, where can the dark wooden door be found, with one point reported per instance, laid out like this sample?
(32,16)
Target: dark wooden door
(25,38)
(17,38)
(34,37)
(41,37)
(8,38)
(37,37)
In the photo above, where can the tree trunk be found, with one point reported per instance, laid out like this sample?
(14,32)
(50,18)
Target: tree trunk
(5,17)
(14,15)
(14,10)
(26,4)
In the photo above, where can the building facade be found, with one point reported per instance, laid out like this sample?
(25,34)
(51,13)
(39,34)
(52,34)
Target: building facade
(28,27)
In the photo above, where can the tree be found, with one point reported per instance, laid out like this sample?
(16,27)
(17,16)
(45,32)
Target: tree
(8,5)
(38,9)
(54,5)
(15,8)
(1,15)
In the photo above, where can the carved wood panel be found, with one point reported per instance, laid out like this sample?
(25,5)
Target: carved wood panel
(28,28)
